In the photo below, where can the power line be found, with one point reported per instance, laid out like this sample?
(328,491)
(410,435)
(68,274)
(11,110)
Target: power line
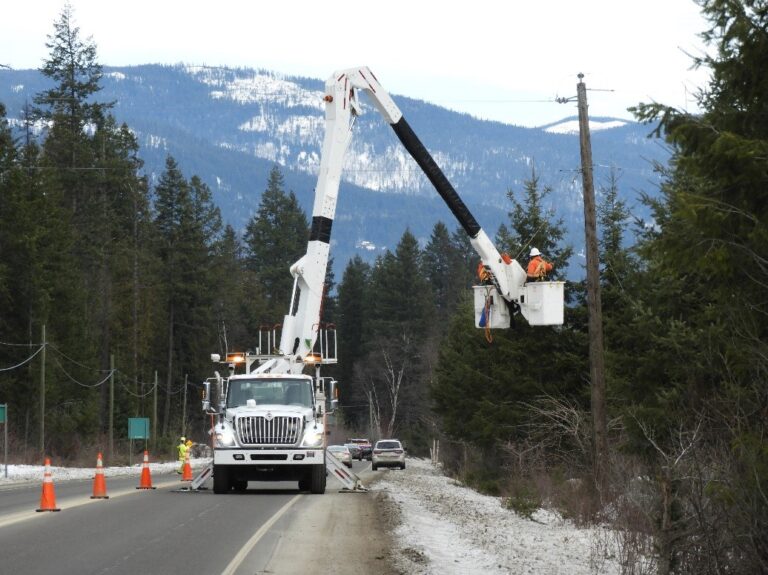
(42,347)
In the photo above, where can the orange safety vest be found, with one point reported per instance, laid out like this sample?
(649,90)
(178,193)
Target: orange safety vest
(538,268)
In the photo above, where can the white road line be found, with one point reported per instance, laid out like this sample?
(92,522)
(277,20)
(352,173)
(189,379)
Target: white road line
(70,502)
(245,549)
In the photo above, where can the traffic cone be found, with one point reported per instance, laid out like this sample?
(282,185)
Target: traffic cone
(186,472)
(99,485)
(146,479)
(48,497)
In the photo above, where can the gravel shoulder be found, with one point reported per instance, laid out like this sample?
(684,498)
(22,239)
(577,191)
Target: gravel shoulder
(343,533)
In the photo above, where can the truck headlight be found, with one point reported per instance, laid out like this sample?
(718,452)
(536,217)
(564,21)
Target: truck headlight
(313,439)
(225,437)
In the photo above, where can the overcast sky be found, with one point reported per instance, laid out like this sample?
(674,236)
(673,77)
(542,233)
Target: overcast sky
(503,60)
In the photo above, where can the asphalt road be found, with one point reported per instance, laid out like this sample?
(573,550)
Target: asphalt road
(170,532)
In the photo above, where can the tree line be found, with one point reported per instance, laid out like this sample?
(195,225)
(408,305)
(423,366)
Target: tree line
(117,265)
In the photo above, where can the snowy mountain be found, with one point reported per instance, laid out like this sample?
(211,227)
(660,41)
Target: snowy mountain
(230,126)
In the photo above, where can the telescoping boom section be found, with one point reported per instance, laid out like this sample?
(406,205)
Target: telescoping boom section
(505,293)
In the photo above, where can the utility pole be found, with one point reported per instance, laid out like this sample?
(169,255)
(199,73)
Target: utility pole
(111,404)
(184,408)
(154,413)
(42,398)
(594,303)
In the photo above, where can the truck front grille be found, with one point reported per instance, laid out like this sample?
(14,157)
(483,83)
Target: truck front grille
(282,430)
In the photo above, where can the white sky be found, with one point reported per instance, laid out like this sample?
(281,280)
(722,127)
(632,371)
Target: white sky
(502,60)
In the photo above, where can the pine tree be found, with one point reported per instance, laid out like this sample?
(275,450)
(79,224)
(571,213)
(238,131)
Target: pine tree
(188,226)
(275,238)
(352,321)
(447,263)
(701,369)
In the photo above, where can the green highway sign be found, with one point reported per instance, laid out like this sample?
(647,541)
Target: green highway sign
(138,428)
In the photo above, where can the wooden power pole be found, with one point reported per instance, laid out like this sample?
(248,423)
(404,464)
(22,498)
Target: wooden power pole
(42,397)
(594,303)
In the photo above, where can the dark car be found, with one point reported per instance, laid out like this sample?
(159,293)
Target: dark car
(365,446)
(355,450)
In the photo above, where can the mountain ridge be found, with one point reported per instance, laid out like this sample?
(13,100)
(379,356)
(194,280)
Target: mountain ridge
(230,126)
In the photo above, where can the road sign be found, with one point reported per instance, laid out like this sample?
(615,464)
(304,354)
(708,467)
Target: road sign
(3,407)
(138,428)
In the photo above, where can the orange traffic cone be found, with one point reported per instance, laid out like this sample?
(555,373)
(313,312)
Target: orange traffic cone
(186,471)
(146,479)
(48,497)
(99,485)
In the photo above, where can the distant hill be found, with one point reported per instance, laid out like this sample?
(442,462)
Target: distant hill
(230,126)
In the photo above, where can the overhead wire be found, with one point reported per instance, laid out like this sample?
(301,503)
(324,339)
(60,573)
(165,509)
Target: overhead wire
(80,383)
(18,365)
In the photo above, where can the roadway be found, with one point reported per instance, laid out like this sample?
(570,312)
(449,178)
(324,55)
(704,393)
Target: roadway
(173,532)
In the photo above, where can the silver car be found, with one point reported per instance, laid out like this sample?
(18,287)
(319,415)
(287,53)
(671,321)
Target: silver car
(388,453)
(341,452)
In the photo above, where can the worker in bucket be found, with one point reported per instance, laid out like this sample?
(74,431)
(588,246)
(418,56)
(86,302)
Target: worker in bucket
(538,268)
(182,451)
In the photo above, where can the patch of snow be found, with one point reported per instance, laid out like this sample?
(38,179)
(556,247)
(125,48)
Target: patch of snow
(19,473)
(572,126)
(448,529)
(445,528)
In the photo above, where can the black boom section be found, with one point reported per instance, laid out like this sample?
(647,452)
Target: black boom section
(436,176)
(321,229)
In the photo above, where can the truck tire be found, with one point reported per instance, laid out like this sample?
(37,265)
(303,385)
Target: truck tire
(240,485)
(317,479)
(220,479)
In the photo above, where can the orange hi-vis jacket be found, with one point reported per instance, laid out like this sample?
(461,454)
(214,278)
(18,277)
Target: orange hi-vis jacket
(538,268)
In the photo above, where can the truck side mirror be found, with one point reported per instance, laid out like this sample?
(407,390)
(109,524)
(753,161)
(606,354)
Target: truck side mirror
(206,397)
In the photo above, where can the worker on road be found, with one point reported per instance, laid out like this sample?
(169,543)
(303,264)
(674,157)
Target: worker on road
(538,268)
(182,450)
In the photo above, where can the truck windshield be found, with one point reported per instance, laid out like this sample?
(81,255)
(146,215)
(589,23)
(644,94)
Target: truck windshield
(278,391)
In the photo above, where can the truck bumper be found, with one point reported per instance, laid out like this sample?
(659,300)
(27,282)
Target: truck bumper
(267,457)
(267,464)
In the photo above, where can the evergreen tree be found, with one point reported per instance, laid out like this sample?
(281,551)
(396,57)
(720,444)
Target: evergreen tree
(481,390)
(188,225)
(701,371)
(275,238)
(534,226)
(352,320)
(447,262)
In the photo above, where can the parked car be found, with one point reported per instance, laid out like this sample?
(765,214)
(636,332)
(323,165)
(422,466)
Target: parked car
(388,453)
(365,446)
(341,452)
(355,450)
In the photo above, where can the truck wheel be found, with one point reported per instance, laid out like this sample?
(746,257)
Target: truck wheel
(220,479)
(317,480)
(240,485)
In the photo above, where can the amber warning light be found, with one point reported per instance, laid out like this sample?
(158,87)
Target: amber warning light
(235,358)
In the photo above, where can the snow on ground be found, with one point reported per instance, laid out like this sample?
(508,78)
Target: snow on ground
(448,529)
(444,528)
(20,473)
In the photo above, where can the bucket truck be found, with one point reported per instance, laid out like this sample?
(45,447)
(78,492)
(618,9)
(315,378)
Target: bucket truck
(271,414)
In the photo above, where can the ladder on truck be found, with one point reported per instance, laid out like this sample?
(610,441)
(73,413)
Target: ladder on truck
(349,480)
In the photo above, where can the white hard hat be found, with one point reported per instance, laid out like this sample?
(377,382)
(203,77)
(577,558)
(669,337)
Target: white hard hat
(183,438)
(535,252)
